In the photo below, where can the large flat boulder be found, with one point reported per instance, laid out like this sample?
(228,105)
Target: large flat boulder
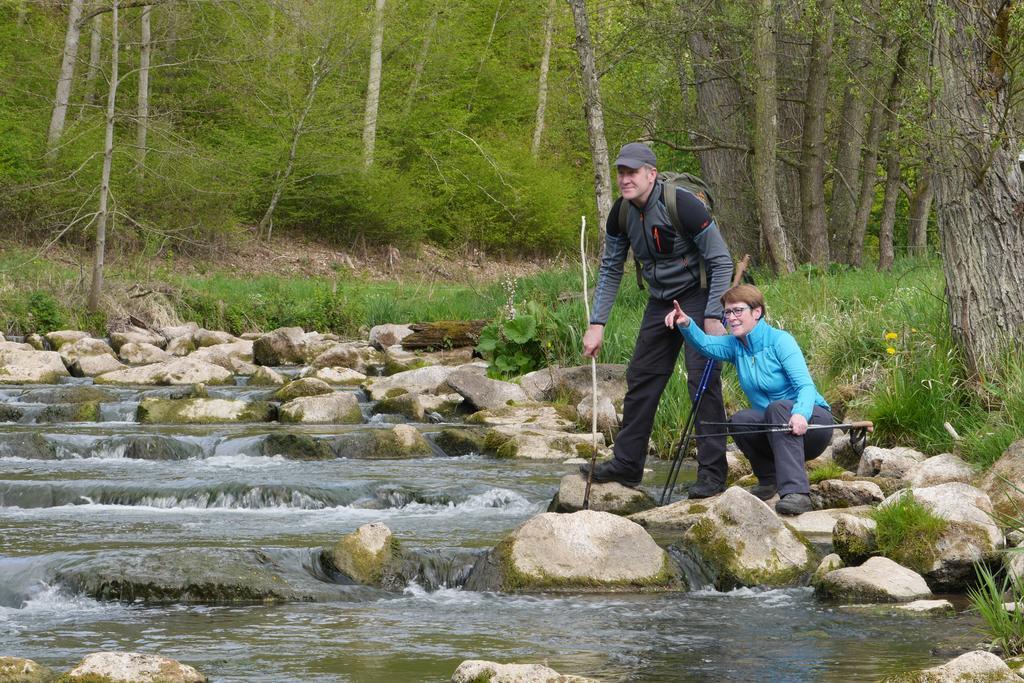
(334,408)
(940,469)
(894,463)
(576,382)
(133,667)
(138,335)
(477,670)
(397,359)
(84,346)
(283,346)
(746,544)
(59,338)
(585,550)
(537,443)
(137,353)
(357,356)
(179,371)
(674,517)
(94,366)
(840,493)
(428,380)
(877,580)
(31,367)
(298,388)
(978,666)
(482,392)
(203,411)
(607,497)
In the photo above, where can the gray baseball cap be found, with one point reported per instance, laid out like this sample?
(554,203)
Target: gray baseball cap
(635,155)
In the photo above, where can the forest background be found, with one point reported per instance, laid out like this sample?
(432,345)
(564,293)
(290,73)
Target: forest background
(835,137)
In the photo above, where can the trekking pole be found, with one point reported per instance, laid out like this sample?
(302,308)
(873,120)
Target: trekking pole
(593,373)
(684,440)
(858,430)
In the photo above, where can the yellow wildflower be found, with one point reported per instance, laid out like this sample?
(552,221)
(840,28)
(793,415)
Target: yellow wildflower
(891,335)
(890,351)
(913,329)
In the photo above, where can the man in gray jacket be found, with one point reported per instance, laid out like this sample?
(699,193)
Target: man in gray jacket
(671,267)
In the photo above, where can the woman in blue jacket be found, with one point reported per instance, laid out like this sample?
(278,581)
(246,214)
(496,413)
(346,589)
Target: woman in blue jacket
(774,376)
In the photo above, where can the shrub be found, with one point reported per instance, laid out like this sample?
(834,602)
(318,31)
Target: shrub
(907,532)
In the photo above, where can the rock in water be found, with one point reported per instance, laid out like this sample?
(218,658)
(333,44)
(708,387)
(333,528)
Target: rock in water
(134,667)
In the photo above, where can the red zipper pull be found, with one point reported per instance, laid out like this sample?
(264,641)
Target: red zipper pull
(657,239)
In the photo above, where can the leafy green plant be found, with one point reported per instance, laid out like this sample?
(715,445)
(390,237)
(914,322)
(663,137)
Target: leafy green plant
(44,313)
(517,345)
(1005,627)
(827,471)
(907,532)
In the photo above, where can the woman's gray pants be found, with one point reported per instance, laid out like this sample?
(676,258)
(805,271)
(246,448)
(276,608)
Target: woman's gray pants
(779,456)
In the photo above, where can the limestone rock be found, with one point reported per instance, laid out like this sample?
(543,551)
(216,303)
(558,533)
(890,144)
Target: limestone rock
(578,551)
(135,667)
(367,555)
(674,517)
(36,341)
(748,545)
(235,356)
(537,443)
(532,416)
(343,376)
(940,469)
(428,380)
(607,417)
(31,367)
(302,387)
(142,353)
(397,359)
(817,526)
(408,405)
(979,666)
(1004,481)
(476,670)
(403,441)
(59,338)
(181,346)
(481,392)
(828,564)
(93,366)
(456,442)
(383,336)
(296,447)
(356,356)
(888,462)
(335,408)
(572,384)
(18,670)
(838,493)
(138,335)
(175,331)
(179,371)
(738,467)
(608,497)
(264,376)
(204,338)
(86,346)
(928,607)
(203,411)
(283,346)
(853,539)
(877,580)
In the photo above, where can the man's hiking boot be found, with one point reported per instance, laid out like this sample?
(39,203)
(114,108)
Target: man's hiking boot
(704,487)
(764,490)
(606,471)
(794,504)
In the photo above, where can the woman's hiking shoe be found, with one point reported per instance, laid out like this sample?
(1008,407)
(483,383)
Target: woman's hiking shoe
(765,490)
(605,472)
(794,504)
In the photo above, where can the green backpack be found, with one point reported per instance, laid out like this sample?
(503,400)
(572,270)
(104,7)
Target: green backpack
(697,187)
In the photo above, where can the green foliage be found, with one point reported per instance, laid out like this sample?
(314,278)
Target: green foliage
(827,471)
(1004,627)
(44,313)
(1003,423)
(519,344)
(907,532)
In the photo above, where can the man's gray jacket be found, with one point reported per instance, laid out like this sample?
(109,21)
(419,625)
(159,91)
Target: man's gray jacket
(670,261)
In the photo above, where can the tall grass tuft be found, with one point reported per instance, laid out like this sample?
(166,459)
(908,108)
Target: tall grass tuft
(1005,627)
(907,532)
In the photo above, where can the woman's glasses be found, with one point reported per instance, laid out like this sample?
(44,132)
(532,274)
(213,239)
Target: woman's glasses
(735,311)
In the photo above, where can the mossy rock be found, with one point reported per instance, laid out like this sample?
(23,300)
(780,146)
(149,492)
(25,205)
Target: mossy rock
(204,411)
(11,413)
(18,670)
(307,386)
(402,441)
(88,411)
(69,394)
(370,555)
(458,442)
(296,447)
(499,445)
(407,405)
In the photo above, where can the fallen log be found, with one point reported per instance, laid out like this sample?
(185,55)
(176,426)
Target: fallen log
(444,334)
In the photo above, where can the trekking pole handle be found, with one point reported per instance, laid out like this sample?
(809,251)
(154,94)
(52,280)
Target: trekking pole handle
(863,424)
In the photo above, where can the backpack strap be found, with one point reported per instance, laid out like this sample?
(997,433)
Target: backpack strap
(669,193)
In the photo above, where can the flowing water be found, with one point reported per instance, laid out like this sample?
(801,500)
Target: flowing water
(128,496)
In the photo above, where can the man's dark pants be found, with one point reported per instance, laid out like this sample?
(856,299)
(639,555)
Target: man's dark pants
(779,456)
(652,365)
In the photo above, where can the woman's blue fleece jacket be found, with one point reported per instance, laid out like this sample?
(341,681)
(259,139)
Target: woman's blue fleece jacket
(770,366)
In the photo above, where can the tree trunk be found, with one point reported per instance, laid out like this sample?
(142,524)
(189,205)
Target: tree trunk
(542,86)
(765,135)
(373,86)
(319,70)
(920,208)
(883,119)
(594,113)
(792,62)
(142,122)
(108,155)
(846,180)
(979,185)
(723,122)
(95,55)
(67,75)
(421,61)
(812,170)
(887,226)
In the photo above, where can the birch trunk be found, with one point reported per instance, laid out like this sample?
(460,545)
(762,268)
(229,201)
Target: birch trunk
(64,80)
(979,185)
(594,111)
(542,85)
(96,290)
(920,209)
(421,61)
(142,115)
(95,54)
(373,86)
(320,69)
(765,138)
(812,171)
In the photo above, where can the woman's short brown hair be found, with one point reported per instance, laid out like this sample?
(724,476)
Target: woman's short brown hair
(744,294)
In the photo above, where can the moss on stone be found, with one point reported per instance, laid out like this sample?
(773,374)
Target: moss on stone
(88,411)
(352,558)
(404,404)
(395,391)
(387,444)
(460,441)
(500,445)
(297,447)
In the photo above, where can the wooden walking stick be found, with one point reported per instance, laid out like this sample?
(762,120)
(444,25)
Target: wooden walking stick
(593,373)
